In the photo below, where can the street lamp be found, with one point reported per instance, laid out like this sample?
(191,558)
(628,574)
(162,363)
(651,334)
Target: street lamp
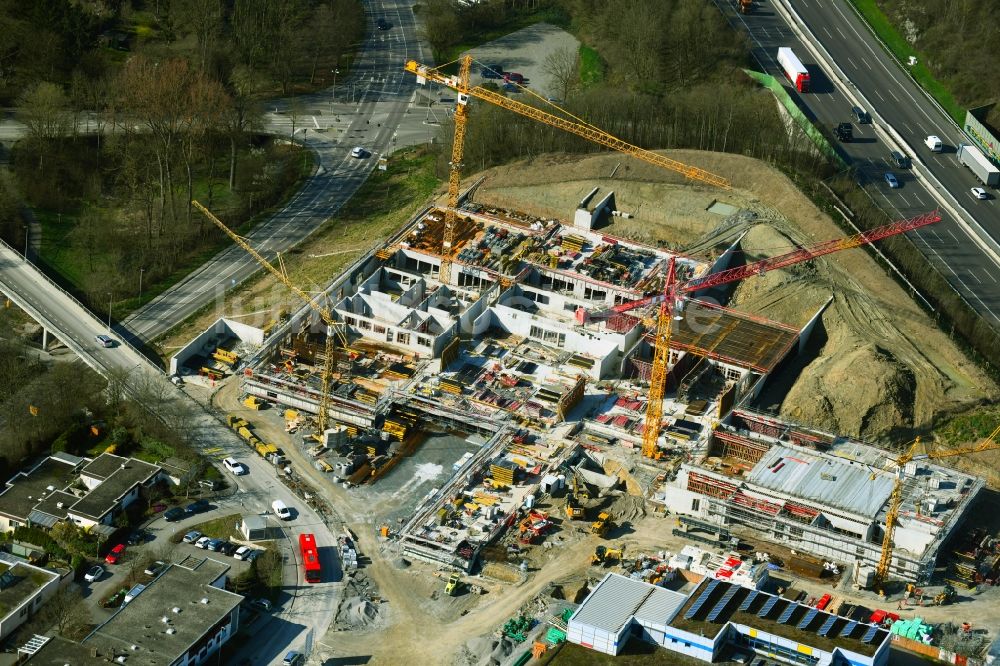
(334,94)
(110,301)
(27,236)
(141,270)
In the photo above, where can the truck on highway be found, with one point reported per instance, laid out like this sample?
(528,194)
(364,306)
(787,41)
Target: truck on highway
(978,163)
(794,69)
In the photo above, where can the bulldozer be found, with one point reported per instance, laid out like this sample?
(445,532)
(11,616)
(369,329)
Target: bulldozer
(601,526)
(945,596)
(454,585)
(607,556)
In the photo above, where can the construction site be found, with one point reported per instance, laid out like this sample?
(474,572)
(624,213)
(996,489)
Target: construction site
(508,383)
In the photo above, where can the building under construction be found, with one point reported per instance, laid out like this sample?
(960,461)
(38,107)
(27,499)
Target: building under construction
(820,494)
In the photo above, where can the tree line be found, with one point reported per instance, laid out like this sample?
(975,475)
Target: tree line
(155,103)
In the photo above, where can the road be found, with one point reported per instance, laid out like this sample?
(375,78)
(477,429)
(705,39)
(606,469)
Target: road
(897,105)
(369,110)
(306,607)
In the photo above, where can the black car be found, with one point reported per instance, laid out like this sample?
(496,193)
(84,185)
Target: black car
(197,506)
(137,537)
(382,24)
(494,71)
(176,513)
(228,548)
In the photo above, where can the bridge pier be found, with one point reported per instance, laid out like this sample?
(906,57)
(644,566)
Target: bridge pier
(45,339)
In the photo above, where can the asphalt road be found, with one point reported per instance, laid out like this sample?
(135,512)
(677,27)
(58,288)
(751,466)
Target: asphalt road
(305,607)
(896,104)
(366,110)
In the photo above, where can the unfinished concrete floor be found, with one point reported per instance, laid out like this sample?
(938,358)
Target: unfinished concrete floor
(882,368)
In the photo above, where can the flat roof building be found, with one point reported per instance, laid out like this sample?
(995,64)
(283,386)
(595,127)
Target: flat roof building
(718,617)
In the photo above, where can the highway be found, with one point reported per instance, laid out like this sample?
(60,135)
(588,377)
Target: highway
(304,607)
(371,110)
(967,257)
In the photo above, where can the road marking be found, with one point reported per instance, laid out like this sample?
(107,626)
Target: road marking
(989,275)
(852,63)
(842,33)
(973,276)
(828,33)
(952,234)
(879,95)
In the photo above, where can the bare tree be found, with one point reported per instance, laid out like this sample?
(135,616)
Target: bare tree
(63,607)
(562,66)
(45,111)
(201,17)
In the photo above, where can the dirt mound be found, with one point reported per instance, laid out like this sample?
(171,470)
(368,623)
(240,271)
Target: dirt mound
(879,366)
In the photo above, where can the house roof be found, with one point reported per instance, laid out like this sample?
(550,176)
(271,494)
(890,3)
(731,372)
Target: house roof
(128,472)
(190,605)
(19,582)
(26,489)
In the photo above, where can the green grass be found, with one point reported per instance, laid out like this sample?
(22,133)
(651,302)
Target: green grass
(591,66)
(970,427)
(902,50)
(220,528)
(517,22)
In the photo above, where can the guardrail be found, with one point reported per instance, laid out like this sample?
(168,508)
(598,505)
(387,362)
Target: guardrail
(989,245)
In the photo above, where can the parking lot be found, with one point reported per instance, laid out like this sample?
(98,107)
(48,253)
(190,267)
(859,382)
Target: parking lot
(525,52)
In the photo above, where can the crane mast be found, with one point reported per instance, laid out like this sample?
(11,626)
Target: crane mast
(455,174)
(333,327)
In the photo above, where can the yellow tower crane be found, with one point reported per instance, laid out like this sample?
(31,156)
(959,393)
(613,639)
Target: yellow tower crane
(673,291)
(896,498)
(333,327)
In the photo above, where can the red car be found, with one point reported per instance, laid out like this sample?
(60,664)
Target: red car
(513,77)
(115,554)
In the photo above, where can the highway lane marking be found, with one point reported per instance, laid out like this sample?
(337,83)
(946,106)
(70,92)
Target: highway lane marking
(952,234)
(853,64)
(989,275)
(879,95)
(841,33)
(828,33)
(973,276)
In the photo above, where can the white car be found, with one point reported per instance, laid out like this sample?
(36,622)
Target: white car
(358,151)
(979,193)
(235,466)
(202,542)
(94,573)
(242,552)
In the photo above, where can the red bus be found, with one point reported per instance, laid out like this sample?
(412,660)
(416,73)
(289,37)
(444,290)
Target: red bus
(310,558)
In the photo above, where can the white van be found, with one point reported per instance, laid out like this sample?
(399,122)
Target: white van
(280,510)
(934,143)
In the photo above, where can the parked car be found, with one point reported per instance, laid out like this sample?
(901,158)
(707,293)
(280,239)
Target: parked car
(156,568)
(253,555)
(192,536)
(133,593)
(202,542)
(214,545)
(514,77)
(262,605)
(116,554)
(979,193)
(242,552)
(105,340)
(228,548)
(176,513)
(137,537)
(494,71)
(292,658)
(890,178)
(213,484)
(197,506)
(235,466)
(94,573)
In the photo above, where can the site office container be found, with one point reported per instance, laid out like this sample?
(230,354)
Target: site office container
(794,69)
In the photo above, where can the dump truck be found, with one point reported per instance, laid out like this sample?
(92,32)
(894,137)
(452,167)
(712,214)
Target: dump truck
(794,69)
(601,525)
(453,586)
(979,164)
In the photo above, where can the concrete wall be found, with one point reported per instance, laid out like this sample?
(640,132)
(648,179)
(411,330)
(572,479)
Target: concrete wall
(597,639)
(208,339)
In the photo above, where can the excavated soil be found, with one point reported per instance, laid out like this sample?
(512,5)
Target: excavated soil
(877,366)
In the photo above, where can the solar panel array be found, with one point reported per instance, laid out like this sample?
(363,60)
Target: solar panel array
(730,593)
(749,600)
(827,626)
(767,607)
(808,618)
(870,634)
(702,598)
(846,631)
(787,615)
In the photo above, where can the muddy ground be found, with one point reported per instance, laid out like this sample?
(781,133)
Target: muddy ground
(878,367)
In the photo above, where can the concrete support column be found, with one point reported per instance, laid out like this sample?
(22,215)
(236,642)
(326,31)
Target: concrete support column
(45,339)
